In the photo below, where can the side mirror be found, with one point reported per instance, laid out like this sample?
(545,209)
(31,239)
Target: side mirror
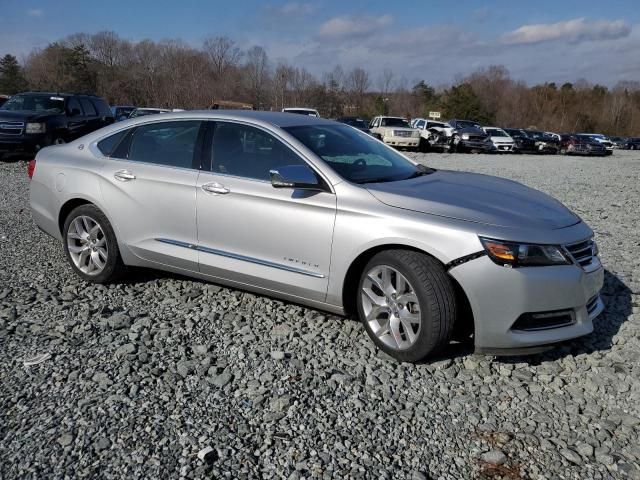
(296,177)
(75,112)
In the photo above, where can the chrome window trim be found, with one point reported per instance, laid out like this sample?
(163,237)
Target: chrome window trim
(243,258)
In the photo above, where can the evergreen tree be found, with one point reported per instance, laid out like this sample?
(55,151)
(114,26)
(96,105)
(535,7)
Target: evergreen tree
(11,78)
(463,103)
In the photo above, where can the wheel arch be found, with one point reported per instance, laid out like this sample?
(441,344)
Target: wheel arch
(464,324)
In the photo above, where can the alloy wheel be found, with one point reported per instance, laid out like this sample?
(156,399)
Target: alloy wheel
(391,307)
(87,245)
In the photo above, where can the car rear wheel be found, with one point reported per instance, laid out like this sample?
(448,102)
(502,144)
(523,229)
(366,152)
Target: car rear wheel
(90,245)
(407,304)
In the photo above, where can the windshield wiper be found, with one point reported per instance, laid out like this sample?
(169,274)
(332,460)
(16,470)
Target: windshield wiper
(421,170)
(376,180)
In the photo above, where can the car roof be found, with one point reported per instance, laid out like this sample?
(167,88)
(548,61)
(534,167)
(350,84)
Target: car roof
(264,118)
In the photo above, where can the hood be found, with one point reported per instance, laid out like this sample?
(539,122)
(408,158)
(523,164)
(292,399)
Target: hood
(24,116)
(471,131)
(475,198)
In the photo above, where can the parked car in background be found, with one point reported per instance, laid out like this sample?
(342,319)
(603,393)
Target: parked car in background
(618,142)
(544,143)
(230,105)
(122,112)
(522,142)
(356,122)
(3,98)
(467,135)
(433,134)
(573,144)
(500,139)
(141,112)
(311,112)
(32,120)
(598,137)
(395,131)
(632,143)
(346,225)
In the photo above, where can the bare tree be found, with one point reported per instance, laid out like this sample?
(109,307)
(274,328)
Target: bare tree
(256,67)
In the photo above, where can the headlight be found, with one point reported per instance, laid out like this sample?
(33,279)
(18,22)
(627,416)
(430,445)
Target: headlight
(36,127)
(465,136)
(511,254)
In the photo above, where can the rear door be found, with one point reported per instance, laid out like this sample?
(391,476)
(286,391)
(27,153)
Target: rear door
(149,184)
(253,233)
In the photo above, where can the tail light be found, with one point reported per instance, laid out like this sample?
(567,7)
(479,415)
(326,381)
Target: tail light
(31,168)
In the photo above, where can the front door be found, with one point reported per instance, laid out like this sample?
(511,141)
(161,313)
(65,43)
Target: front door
(253,233)
(149,183)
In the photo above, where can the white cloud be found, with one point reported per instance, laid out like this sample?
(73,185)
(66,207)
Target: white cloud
(575,31)
(35,12)
(345,27)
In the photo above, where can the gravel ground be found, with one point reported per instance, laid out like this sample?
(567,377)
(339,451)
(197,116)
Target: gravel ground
(143,375)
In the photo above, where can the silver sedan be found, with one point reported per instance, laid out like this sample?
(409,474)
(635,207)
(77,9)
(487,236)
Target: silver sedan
(316,212)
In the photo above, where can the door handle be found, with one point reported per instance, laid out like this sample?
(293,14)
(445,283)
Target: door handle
(124,175)
(215,187)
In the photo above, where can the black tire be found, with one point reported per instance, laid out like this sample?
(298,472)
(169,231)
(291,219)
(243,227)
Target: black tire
(436,295)
(114,268)
(563,151)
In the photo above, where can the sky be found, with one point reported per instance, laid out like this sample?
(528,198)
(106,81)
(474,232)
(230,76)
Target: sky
(438,41)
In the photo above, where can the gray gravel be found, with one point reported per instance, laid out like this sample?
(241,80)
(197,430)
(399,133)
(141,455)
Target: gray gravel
(145,374)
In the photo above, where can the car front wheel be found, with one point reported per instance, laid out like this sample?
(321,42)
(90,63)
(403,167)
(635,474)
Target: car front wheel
(407,304)
(90,245)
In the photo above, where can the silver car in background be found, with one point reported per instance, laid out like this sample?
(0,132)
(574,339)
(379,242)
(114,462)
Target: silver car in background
(316,212)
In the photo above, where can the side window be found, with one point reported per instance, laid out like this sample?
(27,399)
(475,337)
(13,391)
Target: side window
(249,152)
(376,122)
(109,144)
(73,104)
(420,124)
(165,143)
(89,109)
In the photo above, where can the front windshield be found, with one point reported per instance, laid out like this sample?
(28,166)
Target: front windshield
(495,132)
(355,122)
(354,155)
(465,124)
(35,103)
(395,122)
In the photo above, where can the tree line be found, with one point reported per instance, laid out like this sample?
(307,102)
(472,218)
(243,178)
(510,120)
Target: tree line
(174,74)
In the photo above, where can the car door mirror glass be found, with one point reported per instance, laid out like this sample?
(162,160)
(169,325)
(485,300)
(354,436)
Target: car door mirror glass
(295,176)
(75,112)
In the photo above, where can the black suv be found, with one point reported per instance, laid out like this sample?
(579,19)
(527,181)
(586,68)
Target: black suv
(30,121)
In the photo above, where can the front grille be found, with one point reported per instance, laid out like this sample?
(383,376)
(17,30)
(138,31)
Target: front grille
(476,138)
(592,305)
(401,133)
(11,128)
(582,252)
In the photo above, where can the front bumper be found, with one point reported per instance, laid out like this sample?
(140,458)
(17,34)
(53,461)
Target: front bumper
(499,296)
(402,141)
(24,143)
(504,147)
(476,145)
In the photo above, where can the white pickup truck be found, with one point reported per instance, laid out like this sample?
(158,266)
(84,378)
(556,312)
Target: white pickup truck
(395,131)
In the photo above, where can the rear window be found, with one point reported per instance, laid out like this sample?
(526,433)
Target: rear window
(108,145)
